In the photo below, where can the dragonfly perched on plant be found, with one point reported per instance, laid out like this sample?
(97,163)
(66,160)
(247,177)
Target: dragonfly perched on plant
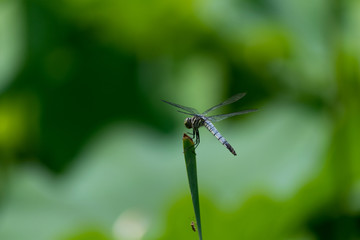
(198,120)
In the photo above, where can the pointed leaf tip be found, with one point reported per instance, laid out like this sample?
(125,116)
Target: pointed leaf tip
(186,137)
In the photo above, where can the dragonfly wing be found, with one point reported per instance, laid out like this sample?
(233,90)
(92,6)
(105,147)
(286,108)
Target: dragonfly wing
(220,117)
(226,102)
(191,114)
(188,109)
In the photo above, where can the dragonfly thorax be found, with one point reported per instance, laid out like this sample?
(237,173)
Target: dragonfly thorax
(194,122)
(188,123)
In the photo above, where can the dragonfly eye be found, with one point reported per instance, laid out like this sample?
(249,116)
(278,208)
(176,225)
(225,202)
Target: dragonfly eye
(188,123)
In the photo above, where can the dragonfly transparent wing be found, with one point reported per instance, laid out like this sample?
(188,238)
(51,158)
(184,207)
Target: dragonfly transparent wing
(226,102)
(190,110)
(220,117)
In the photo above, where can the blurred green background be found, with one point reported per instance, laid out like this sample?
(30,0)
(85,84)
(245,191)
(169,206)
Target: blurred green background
(88,150)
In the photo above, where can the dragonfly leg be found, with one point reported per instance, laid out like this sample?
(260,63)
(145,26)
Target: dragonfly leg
(191,134)
(197,138)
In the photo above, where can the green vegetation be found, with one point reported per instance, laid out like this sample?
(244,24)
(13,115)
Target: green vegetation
(190,161)
(88,150)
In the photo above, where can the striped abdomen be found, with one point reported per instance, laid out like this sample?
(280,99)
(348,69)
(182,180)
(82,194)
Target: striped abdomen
(216,133)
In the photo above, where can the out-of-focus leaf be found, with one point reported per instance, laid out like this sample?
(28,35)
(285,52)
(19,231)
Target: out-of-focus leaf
(279,150)
(11,40)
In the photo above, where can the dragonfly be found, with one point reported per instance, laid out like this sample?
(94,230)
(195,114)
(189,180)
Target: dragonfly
(197,120)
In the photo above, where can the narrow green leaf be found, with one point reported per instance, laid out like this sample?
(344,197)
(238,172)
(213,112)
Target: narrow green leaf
(190,161)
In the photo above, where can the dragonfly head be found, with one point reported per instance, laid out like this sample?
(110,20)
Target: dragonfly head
(188,123)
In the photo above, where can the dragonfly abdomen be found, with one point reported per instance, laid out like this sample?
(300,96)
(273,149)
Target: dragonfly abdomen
(217,134)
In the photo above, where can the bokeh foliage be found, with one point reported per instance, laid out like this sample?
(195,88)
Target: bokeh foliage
(88,150)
